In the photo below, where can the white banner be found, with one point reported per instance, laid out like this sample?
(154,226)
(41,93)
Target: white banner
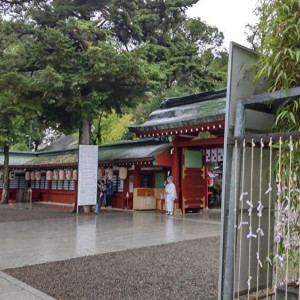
(87,175)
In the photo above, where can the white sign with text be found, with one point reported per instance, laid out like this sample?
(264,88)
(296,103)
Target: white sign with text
(87,175)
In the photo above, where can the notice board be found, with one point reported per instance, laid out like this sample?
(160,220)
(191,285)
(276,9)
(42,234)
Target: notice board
(87,175)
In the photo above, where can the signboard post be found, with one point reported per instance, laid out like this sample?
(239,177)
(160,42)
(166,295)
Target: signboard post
(87,175)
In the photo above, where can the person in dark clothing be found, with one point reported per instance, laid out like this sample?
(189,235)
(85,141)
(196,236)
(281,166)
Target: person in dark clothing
(101,193)
(97,208)
(109,193)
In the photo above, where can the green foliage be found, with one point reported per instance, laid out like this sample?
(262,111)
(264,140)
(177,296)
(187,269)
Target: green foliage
(288,174)
(277,39)
(112,127)
(20,147)
(18,95)
(288,117)
(91,57)
(17,99)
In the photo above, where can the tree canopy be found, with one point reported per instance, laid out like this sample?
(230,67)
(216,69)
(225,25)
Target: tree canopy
(18,94)
(92,57)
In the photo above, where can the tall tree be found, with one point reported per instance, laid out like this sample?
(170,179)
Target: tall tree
(17,97)
(103,55)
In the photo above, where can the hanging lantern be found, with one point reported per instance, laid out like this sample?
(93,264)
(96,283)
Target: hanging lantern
(27,175)
(100,173)
(123,173)
(55,175)
(61,174)
(68,174)
(49,175)
(32,175)
(12,175)
(38,175)
(109,173)
(74,175)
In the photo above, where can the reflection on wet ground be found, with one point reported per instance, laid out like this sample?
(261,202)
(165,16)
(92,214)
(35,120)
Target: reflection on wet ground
(35,241)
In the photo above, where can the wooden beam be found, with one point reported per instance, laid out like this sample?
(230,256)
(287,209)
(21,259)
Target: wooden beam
(202,142)
(278,95)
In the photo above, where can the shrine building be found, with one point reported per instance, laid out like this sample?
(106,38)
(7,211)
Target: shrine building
(184,138)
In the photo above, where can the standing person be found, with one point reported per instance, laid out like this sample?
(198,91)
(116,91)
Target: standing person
(170,195)
(101,194)
(109,192)
(97,208)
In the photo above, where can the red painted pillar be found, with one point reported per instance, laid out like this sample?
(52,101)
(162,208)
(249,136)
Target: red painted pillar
(206,185)
(176,169)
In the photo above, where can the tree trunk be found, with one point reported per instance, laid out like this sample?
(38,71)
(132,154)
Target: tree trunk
(99,131)
(4,199)
(85,132)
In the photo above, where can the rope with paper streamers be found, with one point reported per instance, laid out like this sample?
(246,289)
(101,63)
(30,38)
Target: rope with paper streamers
(287,244)
(260,207)
(240,227)
(269,212)
(280,259)
(277,256)
(235,213)
(250,204)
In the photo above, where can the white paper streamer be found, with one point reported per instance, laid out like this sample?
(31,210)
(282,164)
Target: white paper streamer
(257,256)
(280,259)
(249,282)
(269,189)
(260,231)
(242,223)
(242,195)
(259,209)
(250,234)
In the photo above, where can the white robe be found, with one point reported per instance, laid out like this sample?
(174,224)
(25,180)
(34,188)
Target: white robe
(170,196)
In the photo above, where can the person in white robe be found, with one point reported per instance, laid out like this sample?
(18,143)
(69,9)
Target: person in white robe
(170,195)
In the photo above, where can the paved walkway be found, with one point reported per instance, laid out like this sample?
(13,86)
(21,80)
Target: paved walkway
(38,241)
(13,289)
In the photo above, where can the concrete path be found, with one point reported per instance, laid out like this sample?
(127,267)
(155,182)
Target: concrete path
(38,241)
(13,289)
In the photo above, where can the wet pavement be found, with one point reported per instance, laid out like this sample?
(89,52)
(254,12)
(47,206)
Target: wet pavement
(33,241)
(37,241)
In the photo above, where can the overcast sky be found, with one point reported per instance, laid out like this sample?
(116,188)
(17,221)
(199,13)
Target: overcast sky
(230,16)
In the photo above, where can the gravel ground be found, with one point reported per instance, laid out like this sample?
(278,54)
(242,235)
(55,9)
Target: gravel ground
(182,270)
(20,212)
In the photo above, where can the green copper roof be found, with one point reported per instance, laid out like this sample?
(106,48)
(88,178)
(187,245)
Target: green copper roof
(17,158)
(145,149)
(195,98)
(54,159)
(129,151)
(184,115)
